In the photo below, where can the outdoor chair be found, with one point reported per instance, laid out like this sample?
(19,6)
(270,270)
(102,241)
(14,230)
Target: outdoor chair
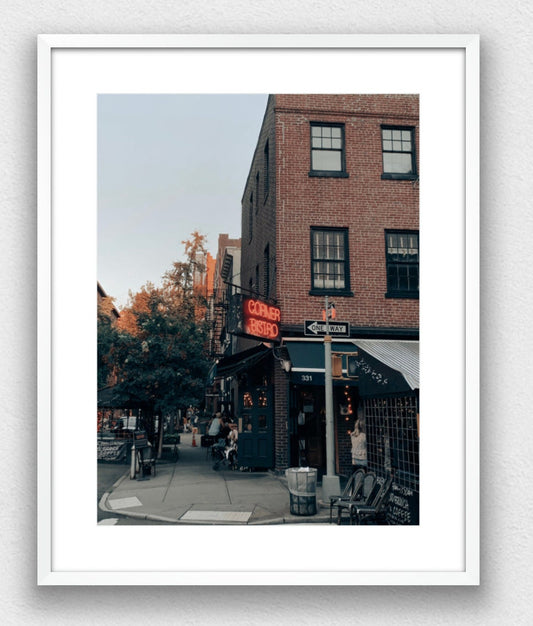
(352,487)
(371,511)
(363,495)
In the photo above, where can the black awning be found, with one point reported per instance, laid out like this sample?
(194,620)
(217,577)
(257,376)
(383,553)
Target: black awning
(230,365)
(378,373)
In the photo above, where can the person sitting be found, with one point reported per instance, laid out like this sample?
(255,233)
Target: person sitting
(224,431)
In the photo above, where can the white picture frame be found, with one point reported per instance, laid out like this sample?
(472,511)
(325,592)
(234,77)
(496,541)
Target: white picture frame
(444,70)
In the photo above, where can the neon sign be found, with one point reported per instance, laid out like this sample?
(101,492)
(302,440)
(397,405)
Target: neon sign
(261,320)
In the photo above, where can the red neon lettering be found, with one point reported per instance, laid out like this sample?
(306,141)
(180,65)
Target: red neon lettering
(260,319)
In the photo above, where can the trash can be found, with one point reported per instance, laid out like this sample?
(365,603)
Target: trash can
(302,490)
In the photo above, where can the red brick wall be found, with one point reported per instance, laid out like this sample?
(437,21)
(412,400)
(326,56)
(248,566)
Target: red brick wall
(281,414)
(263,212)
(363,203)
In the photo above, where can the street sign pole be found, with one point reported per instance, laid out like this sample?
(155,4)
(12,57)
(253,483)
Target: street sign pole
(330,481)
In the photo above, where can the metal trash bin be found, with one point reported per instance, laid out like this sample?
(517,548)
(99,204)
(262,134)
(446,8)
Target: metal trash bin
(302,490)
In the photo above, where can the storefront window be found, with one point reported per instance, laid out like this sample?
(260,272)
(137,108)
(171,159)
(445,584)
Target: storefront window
(262,422)
(263,399)
(246,423)
(247,400)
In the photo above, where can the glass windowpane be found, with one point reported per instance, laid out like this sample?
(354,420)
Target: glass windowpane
(397,163)
(326,160)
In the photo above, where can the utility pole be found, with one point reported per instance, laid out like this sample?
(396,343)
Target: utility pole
(330,481)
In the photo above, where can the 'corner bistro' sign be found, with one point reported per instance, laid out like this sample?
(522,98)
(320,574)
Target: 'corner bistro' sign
(260,319)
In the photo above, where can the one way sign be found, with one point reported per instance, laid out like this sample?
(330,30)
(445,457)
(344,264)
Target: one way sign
(315,328)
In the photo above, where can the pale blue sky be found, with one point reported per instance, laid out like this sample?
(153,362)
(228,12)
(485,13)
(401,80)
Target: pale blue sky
(168,165)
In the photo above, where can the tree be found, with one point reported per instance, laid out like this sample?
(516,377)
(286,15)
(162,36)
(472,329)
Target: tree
(107,337)
(160,346)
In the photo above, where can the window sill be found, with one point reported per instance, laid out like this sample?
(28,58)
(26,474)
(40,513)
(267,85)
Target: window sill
(410,295)
(331,292)
(326,174)
(389,176)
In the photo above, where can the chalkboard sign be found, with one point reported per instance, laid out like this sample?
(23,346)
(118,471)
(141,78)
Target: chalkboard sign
(403,507)
(140,439)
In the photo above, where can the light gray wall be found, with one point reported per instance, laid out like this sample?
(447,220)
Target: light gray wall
(506,227)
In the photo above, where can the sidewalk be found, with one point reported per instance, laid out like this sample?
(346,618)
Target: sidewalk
(189,491)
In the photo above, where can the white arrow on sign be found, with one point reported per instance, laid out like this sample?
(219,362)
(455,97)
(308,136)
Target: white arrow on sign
(319,328)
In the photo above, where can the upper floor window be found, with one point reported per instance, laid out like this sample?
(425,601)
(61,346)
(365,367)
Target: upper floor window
(266,270)
(402,263)
(330,268)
(251,218)
(266,170)
(327,150)
(398,146)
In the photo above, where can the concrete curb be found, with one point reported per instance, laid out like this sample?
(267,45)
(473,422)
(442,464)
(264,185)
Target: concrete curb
(319,517)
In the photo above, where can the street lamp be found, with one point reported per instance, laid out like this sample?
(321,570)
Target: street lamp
(330,481)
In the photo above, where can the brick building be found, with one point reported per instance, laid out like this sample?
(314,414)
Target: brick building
(331,208)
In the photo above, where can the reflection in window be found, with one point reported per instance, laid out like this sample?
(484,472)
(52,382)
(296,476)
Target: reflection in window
(247,399)
(262,422)
(246,423)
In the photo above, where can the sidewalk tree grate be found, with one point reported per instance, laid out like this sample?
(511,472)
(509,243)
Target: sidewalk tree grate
(216,516)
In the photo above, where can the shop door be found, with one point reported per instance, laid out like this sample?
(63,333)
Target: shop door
(256,429)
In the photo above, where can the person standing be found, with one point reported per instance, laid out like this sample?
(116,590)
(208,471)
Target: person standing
(359,454)
(215,426)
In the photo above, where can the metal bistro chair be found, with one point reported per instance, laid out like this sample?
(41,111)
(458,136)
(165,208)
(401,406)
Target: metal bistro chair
(358,487)
(380,496)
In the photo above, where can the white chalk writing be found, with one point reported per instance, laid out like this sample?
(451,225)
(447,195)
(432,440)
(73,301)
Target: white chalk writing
(364,367)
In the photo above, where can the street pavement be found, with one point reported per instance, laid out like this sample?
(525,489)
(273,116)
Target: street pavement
(190,491)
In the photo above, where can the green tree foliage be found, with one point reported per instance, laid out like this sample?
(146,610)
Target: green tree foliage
(164,366)
(107,339)
(158,346)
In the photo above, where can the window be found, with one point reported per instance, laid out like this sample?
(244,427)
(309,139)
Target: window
(402,264)
(257,191)
(398,153)
(327,150)
(329,261)
(251,218)
(266,172)
(266,275)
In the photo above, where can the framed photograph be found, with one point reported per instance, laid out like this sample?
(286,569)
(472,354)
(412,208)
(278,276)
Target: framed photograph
(81,75)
